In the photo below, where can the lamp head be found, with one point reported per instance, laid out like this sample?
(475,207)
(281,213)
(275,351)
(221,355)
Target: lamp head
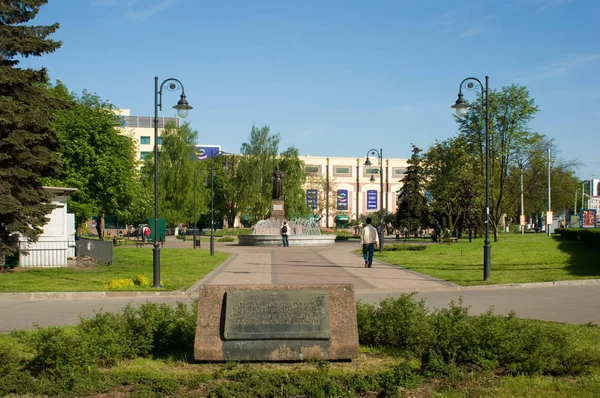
(367,162)
(182,107)
(372,179)
(460,106)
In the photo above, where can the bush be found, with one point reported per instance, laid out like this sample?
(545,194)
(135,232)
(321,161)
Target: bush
(227,239)
(62,361)
(119,284)
(404,246)
(401,323)
(450,340)
(589,236)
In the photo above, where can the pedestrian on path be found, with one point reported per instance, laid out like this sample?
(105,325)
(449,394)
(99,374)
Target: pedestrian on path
(284,234)
(368,239)
(184,231)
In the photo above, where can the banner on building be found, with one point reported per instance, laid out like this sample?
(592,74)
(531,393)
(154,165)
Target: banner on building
(342,199)
(312,199)
(372,199)
(203,152)
(588,219)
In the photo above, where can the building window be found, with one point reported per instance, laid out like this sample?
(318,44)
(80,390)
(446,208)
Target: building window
(159,141)
(145,140)
(367,171)
(144,155)
(399,171)
(342,171)
(312,170)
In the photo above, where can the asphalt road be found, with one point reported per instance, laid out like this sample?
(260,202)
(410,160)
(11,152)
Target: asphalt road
(573,302)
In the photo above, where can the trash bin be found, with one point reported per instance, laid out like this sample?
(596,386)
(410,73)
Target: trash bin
(197,242)
(114,241)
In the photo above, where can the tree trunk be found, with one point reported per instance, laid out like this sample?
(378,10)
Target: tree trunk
(100,226)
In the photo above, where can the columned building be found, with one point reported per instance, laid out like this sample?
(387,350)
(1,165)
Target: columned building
(340,189)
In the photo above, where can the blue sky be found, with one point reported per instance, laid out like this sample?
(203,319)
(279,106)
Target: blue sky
(336,78)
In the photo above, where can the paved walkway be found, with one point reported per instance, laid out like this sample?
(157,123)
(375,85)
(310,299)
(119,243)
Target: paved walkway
(576,302)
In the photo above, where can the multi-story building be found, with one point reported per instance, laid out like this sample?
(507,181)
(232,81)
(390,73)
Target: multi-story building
(142,129)
(354,188)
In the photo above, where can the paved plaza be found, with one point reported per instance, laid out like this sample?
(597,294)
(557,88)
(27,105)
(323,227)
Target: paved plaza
(574,302)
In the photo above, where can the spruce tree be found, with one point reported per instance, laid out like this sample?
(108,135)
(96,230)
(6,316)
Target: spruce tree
(413,209)
(28,146)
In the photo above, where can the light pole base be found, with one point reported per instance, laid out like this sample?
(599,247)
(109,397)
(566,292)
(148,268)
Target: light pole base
(156,266)
(487,256)
(212,245)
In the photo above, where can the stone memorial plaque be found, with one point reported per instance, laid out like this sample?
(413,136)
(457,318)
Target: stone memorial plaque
(276,323)
(277,207)
(275,315)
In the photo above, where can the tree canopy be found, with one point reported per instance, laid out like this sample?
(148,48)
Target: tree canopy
(97,159)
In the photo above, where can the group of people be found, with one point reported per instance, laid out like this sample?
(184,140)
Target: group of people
(145,233)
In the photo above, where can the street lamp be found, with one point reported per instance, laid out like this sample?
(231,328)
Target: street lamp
(195,217)
(373,152)
(212,197)
(182,110)
(461,111)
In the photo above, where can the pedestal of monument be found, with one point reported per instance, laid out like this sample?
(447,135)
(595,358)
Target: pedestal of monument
(277,209)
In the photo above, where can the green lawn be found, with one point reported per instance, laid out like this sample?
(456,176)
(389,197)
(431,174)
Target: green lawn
(180,269)
(516,258)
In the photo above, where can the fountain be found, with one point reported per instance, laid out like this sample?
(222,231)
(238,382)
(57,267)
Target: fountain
(301,233)
(268,232)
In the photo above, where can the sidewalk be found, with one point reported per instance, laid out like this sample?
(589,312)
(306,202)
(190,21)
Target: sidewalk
(573,301)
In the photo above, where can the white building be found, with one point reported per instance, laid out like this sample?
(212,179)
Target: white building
(57,241)
(142,130)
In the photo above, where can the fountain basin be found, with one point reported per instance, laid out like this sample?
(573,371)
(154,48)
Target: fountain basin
(300,233)
(295,240)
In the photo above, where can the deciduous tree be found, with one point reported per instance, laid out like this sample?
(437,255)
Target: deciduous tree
(98,160)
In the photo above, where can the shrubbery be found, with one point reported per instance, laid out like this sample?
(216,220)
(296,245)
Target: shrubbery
(404,246)
(589,236)
(447,342)
(450,338)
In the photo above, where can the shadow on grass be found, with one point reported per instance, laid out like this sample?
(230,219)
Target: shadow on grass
(583,260)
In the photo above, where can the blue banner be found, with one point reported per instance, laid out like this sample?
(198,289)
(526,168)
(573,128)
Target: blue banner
(312,199)
(203,152)
(372,199)
(342,199)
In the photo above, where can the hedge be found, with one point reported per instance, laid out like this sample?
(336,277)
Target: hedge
(589,236)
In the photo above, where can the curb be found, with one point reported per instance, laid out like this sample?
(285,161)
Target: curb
(191,290)
(85,295)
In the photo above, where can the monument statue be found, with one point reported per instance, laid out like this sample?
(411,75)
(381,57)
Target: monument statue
(278,177)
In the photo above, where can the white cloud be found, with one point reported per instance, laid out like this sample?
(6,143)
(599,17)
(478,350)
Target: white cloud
(135,10)
(474,31)
(545,4)
(559,68)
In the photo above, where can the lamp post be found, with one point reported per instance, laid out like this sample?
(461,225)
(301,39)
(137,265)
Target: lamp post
(212,197)
(195,217)
(182,110)
(461,111)
(379,153)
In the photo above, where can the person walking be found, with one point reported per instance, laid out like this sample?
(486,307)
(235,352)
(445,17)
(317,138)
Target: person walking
(184,231)
(284,234)
(368,240)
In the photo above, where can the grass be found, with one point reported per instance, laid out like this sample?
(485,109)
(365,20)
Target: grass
(375,372)
(515,259)
(180,269)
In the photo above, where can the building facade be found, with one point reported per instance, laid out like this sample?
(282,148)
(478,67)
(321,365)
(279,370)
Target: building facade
(353,188)
(141,128)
